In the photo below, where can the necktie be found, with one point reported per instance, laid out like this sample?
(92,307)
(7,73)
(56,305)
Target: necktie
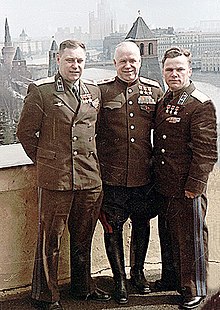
(76,93)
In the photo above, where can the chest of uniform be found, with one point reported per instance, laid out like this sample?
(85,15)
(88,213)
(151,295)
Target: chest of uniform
(140,96)
(145,98)
(178,112)
(174,117)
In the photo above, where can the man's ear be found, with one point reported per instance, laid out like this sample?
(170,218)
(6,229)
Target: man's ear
(190,72)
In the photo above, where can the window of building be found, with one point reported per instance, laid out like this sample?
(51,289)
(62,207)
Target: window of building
(142,49)
(150,49)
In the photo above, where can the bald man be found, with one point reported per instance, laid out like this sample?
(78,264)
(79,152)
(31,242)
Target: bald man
(124,151)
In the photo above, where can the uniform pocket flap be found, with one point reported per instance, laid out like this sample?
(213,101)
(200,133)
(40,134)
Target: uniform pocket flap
(46,153)
(112,105)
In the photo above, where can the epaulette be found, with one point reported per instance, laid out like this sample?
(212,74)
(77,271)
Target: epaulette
(105,81)
(47,80)
(91,82)
(199,96)
(148,81)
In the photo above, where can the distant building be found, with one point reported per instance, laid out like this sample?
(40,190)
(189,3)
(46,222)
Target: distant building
(200,44)
(62,34)
(19,66)
(20,76)
(210,25)
(147,42)
(210,61)
(109,44)
(8,50)
(53,66)
(102,24)
(123,28)
(14,79)
(23,36)
(65,34)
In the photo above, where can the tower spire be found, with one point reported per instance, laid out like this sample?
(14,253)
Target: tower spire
(8,41)
(8,49)
(53,66)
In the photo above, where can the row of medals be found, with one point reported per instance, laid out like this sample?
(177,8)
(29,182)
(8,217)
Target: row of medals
(172,109)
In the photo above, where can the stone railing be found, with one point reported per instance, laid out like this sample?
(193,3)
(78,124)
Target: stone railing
(19,217)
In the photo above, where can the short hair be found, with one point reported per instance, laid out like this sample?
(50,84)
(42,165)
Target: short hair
(71,44)
(175,52)
(127,43)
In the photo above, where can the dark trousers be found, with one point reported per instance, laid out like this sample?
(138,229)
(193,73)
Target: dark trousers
(184,219)
(81,210)
(120,203)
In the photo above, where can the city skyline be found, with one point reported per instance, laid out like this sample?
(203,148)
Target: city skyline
(42,18)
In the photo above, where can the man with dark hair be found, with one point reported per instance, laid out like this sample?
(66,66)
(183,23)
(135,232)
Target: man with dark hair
(125,152)
(185,151)
(57,131)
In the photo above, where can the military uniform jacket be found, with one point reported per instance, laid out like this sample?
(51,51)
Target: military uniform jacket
(124,127)
(185,143)
(58,134)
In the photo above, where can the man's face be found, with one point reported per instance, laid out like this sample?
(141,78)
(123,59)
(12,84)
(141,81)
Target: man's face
(177,72)
(127,63)
(71,63)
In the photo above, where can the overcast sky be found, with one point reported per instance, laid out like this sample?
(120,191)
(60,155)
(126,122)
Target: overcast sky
(43,17)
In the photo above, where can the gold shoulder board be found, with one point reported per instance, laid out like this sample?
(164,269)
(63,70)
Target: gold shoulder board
(91,82)
(106,81)
(148,81)
(199,95)
(47,80)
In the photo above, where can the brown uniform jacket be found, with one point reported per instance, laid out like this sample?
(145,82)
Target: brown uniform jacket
(124,127)
(59,135)
(185,143)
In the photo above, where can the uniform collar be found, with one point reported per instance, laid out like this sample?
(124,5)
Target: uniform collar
(76,84)
(126,84)
(187,89)
(62,84)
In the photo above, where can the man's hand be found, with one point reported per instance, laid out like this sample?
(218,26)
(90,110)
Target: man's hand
(190,194)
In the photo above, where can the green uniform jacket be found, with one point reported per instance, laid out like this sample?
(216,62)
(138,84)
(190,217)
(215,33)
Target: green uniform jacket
(124,130)
(58,134)
(185,143)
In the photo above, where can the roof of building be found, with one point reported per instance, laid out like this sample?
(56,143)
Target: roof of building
(139,30)
(54,46)
(18,54)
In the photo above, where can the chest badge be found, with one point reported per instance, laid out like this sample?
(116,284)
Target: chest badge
(59,104)
(173,119)
(86,98)
(95,103)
